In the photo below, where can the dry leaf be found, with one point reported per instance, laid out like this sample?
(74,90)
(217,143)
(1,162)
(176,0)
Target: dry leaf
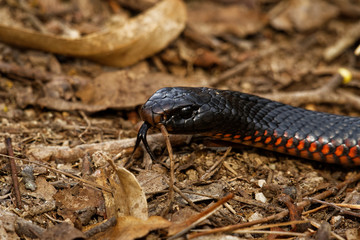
(152,181)
(62,231)
(303,15)
(128,228)
(13,226)
(127,89)
(102,178)
(129,198)
(120,46)
(128,203)
(44,189)
(211,18)
(78,203)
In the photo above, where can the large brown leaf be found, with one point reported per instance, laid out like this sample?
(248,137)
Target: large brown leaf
(120,46)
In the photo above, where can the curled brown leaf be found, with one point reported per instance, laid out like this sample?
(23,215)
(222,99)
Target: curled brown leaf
(119,46)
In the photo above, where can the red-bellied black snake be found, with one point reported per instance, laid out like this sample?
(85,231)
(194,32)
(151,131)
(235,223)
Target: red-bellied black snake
(254,121)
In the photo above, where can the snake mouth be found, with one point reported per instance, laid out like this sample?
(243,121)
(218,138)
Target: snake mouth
(152,118)
(148,116)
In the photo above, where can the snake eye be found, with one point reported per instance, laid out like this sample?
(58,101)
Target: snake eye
(186,112)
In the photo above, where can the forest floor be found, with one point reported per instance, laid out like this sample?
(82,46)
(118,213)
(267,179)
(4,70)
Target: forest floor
(72,122)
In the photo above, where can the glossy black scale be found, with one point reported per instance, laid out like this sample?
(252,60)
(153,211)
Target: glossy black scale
(211,111)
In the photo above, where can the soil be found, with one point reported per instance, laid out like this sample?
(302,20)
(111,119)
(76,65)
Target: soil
(70,114)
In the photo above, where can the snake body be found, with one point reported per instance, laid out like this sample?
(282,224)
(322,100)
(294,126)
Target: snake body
(254,121)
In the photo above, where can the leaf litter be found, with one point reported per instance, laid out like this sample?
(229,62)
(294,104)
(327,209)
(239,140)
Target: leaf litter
(73,115)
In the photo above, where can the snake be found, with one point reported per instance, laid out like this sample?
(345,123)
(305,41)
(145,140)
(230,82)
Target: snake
(254,121)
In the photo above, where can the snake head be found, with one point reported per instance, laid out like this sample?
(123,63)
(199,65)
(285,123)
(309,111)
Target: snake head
(180,109)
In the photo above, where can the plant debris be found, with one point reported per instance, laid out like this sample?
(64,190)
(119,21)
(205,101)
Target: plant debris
(69,101)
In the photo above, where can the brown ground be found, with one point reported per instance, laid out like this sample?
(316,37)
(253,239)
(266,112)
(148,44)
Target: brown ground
(53,106)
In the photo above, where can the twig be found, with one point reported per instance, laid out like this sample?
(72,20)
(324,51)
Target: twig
(25,72)
(331,191)
(313,210)
(277,216)
(87,127)
(54,219)
(66,174)
(101,227)
(14,175)
(214,168)
(317,225)
(67,154)
(325,94)
(203,39)
(307,96)
(240,225)
(331,70)
(257,203)
(191,203)
(346,40)
(209,196)
(177,230)
(240,67)
(171,156)
(5,196)
(273,232)
(30,73)
(275,225)
(347,199)
(230,169)
(340,207)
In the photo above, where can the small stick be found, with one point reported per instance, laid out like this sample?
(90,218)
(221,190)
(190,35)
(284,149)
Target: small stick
(14,175)
(87,127)
(30,73)
(314,210)
(240,67)
(239,225)
(325,94)
(314,95)
(214,168)
(181,228)
(102,227)
(171,156)
(317,225)
(256,203)
(275,225)
(295,234)
(126,146)
(339,207)
(92,184)
(346,201)
(277,216)
(191,203)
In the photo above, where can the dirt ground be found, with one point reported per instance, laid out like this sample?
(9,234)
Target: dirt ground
(69,111)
